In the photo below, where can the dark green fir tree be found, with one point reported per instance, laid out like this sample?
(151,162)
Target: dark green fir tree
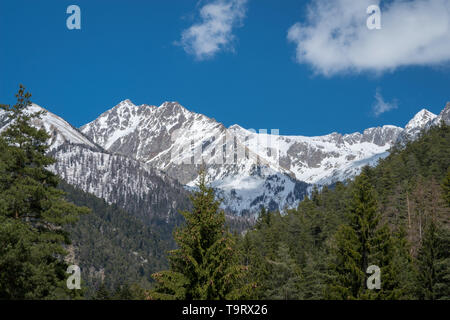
(433,263)
(364,242)
(33,211)
(206,264)
(446,187)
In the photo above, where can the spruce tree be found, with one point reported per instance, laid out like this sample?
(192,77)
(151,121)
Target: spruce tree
(102,293)
(346,276)
(433,263)
(252,257)
(32,206)
(446,187)
(285,276)
(383,253)
(205,266)
(362,243)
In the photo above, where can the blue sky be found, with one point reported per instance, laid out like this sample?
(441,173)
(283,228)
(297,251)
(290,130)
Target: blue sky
(259,77)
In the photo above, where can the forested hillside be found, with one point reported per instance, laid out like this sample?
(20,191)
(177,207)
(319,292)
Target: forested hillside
(111,246)
(395,216)
(392,219)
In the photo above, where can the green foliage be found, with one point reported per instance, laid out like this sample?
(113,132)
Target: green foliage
(433,264)
(27,269)
(380,218)
(362,243)
(285,272)
(446,187)
(112,246)
(205,266)
(102,293)
(32,211)
(347,276)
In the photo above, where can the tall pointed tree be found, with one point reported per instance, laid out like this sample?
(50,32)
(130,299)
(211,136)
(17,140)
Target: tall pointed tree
(29,196)
(205,266)
(433,263)
(362,243)
(285,277)
(446,187)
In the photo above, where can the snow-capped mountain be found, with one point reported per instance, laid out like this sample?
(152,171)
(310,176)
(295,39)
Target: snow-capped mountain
(326,159)
(177,141)
(148,194)
(3,118)
(443,116)
(416,124)
(138,188)
(248,169)
(139,156)
(61,131)
(424,119)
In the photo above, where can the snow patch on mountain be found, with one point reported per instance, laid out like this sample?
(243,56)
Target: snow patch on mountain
(60,131)
(324,159)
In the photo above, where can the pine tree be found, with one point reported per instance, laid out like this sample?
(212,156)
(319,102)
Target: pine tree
(32,205)
(433,263)
(285,277)
(264,219)
(102,293)
(206,265)
(362,243)
(383,254)
(364,216)
(258,269)
(403,267)
(446,187)
(313,276)
(347,276)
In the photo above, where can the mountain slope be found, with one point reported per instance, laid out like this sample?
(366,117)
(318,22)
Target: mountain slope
(61,131)
(326,159)
(247,169)
(112,246)
(141,190)
(177,141)
(136,155)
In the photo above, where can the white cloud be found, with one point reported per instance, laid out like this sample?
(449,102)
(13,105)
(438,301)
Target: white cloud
(380,106)
(214,32)
(335,39)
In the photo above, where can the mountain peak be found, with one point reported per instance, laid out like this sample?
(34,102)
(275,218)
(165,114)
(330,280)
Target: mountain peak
(444,115)
(420,119)
(126,102)
(446,109)
(235,127)
(172,106)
